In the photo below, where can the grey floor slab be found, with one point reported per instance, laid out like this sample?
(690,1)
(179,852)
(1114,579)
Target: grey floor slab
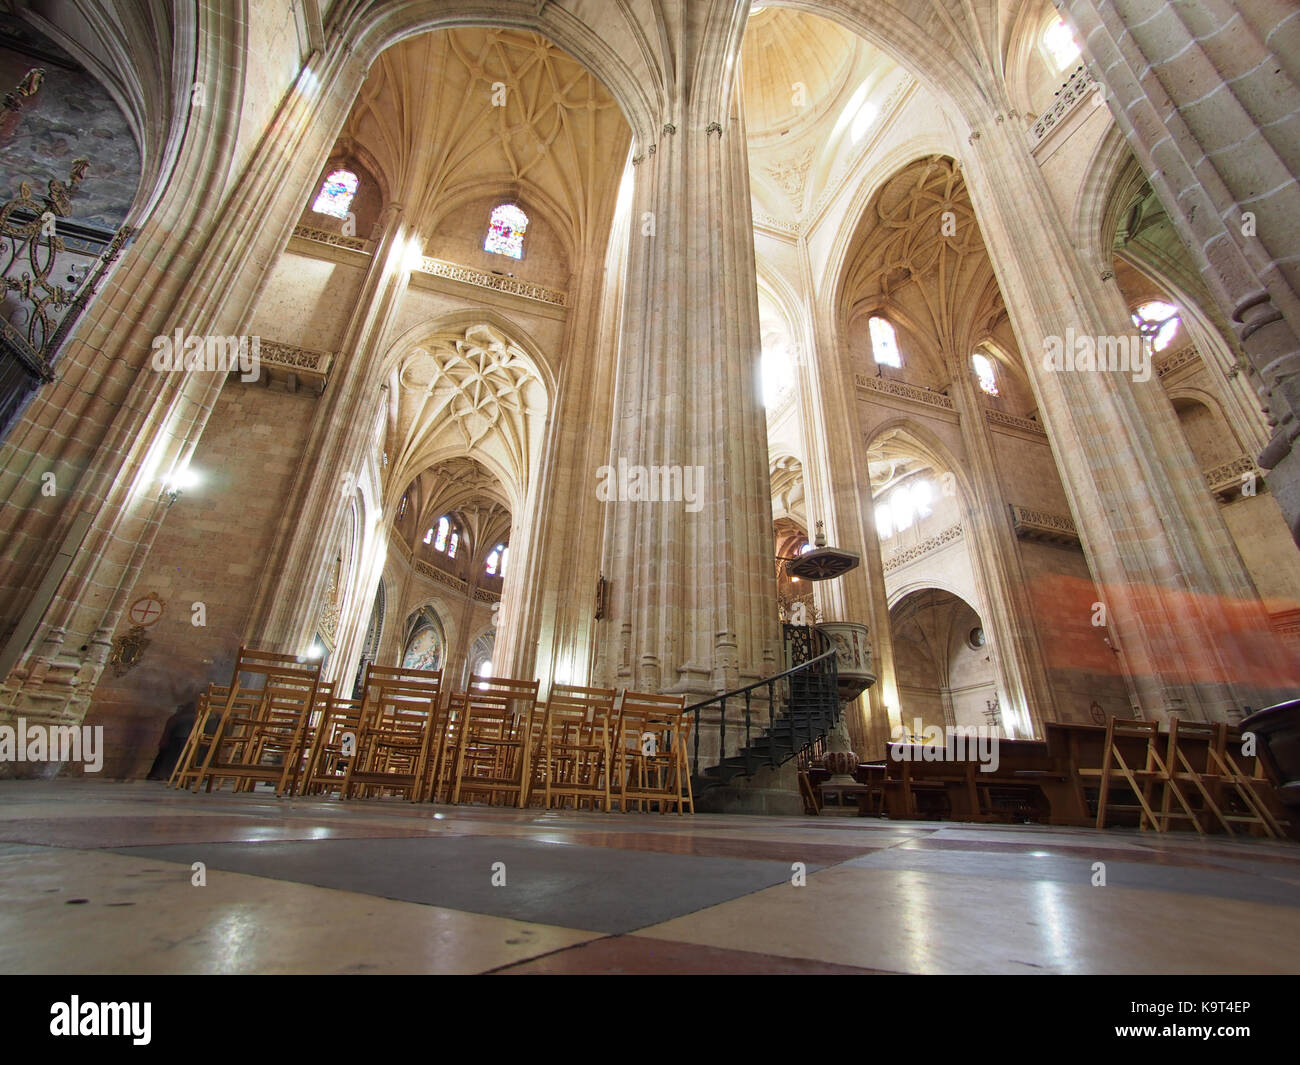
(593,888)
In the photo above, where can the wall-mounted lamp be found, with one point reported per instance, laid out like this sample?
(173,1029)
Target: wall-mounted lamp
(176,484)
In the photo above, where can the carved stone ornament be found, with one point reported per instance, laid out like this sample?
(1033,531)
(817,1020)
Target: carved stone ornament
(128,650)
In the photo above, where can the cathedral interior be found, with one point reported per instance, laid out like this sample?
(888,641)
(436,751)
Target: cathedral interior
(658,486)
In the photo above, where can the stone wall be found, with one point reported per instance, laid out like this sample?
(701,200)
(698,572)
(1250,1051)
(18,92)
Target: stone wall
(210,550)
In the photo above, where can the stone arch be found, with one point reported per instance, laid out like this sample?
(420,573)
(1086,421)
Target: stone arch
(943,648)
(995,608)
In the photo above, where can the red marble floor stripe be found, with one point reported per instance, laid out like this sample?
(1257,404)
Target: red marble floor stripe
(643,955)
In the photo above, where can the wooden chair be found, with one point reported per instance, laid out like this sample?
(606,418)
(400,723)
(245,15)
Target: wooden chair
(1141,740)
(1251,791)
(196,745)
(272,743)
(398,720)
(649,760)
(575,745)
(335,746)
(493,739)
(264,716)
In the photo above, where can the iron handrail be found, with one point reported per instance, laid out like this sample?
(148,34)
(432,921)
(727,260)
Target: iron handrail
(759,683)
(808,667)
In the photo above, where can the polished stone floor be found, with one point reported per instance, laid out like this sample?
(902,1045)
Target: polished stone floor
(99,877)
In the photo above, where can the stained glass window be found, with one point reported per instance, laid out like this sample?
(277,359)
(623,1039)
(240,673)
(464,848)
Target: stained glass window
(884,343)
(335,196)
(496,561)
(1060,42)
(1158,322)
(506,231)
(440,542)
(428,536)
(401,509)
(984,371)
(451,547)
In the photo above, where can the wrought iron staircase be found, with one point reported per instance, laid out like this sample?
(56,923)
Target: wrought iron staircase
(801,705)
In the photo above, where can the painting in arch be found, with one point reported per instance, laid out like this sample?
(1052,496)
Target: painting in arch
(426,648)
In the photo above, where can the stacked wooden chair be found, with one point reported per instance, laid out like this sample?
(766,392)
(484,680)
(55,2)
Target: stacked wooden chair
(573,760)
(1143,778)
(334,747)
(278,723)
(397,724)
(196,745)
(1201,766)
(490,737)
(649,757)
(1192,777)
(262,724)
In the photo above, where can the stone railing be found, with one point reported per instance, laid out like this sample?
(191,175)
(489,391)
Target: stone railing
(1077,87)
(1169,361)
(898,388)
(497,282)
(1227,478)
(998,417)
(933,543)
(303,360)
(293,365)
(481,595)
(424,569)
(1039,525)
(324,236)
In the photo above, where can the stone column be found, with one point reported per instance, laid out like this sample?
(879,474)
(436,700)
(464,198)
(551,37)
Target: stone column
(1017,656)
(1207,95)
(1194,637)
(693,583)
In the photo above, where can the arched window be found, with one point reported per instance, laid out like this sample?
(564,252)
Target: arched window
(335,196)
(401,509)
(884,522)
(452,544)
(496,561)
(884,343)
(984,371)
(505,234)
(440,541)
(1059,42)
(1157,321)
(428,536)
(906,504)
